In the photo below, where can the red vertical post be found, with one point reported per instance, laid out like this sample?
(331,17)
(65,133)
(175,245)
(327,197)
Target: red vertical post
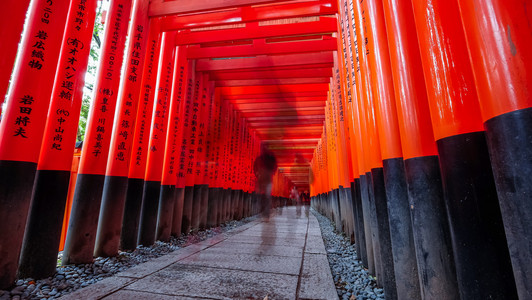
(116,180)
(22,126)
(202,161)
(194,155)
(43,230)
(499,40)
(11,25)
(81,235)
(371,141)
(175,165)
(212,150)
(173,144)
(353,125)
(418,145)
(154,166)
(139,148)
(187,179)
(470,195)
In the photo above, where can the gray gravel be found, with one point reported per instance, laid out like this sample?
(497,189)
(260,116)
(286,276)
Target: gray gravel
(351,279)
(72,277)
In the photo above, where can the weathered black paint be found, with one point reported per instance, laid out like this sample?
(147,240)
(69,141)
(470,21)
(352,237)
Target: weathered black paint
(359,222)
(38,258)
(377,255)
(364,196)
(509,138)
(402,238)
(212,210)
(482,260)
(79,244)
(383,224)
(130,221)
(166,211)
(148,214)
(204,208)
(434,254)
(178,211)
(187,209)
(111,213)
(196,207)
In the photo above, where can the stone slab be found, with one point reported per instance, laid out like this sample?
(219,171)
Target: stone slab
(315,245)
(99,289)
(136,295)
(203,282)
(247,262)
(256,249)
(316,278)
(287,241)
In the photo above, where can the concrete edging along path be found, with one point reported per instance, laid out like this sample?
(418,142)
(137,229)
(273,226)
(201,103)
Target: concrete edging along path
(283,258)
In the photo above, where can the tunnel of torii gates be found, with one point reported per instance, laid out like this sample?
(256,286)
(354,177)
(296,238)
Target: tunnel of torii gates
(409,121)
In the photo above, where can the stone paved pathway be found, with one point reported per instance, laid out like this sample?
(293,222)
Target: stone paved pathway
(283,258)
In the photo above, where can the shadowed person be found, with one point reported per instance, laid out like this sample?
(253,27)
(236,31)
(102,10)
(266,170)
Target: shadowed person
(264,168)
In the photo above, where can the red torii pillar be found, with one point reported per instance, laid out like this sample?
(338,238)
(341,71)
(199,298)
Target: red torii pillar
(139,148)
(116,174)
(471,201)
(22,127)
(43,230)
(168,200)
(499,50)
(154,165)
(83,225)
(11,25)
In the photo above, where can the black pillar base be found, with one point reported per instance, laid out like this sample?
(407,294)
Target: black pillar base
(381,206)
(111,213)
(186,224)
(483,266)
(130,221)
(178,211)
(38,258)
(148,215)
(212,207)
(166,212)
(196,207)
(366,213)
(401,235)
(204,208)
(509,139)
(377,255)
(434,253)
(79,244)
(360,239)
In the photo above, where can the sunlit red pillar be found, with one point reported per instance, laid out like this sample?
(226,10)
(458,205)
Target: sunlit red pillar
(353,124)
(174,134)
(499,38)
(475,222)
(11,25)
(159,125)
(43,232)
(213,150)
(373,181)
(188,178)
(418,145)
(22,127)
(81,235)
(193,154)
(116,174)
(179,95)
(139,147)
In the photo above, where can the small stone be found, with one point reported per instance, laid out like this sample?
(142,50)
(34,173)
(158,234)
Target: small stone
(18,290)
(20,282)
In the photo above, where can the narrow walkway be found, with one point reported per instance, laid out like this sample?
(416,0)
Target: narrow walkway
(283,259)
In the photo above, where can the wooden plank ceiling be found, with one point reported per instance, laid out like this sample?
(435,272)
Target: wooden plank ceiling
(271,59)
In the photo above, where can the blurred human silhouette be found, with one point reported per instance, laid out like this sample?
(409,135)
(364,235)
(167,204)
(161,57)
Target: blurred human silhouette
(264,168)
(294,195)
